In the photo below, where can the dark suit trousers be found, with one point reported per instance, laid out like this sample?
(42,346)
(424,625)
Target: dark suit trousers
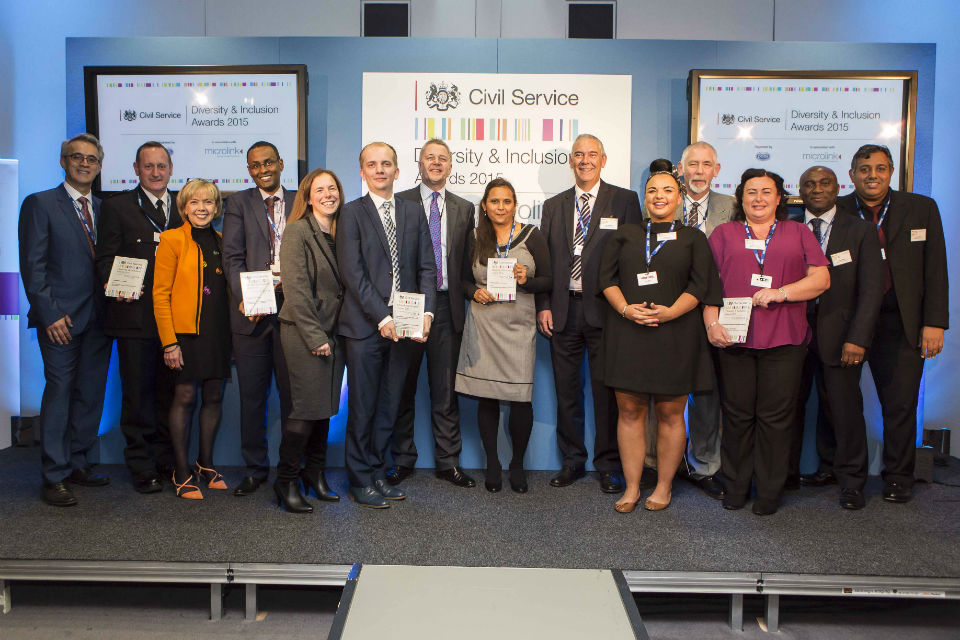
(567,350)
(147,387)
(72,403)
(897,369)
(443,350)
(703,422)
(759,410)
(259,357)
(376,372)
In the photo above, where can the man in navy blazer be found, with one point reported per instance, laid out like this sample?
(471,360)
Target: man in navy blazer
(253,224)
(383,248)
(57,233)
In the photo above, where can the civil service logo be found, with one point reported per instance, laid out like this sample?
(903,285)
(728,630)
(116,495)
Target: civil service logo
(727,118)
(442,96)
(129,115)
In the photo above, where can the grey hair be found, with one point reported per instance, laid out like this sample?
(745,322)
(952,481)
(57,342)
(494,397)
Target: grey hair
(589,136)
(698,144)
(82,137)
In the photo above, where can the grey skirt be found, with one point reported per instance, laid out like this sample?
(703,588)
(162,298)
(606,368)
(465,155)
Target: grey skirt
(315,381)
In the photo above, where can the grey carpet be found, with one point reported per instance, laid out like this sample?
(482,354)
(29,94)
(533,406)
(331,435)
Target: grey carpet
(574,527)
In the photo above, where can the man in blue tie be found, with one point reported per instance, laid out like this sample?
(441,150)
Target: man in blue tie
(57,232)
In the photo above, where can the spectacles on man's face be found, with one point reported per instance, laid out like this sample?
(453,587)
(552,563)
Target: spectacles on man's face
(266,164)
(80,158)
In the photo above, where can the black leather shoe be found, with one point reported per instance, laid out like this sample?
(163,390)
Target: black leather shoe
(792,483)
(316,480)
(648,478)
(368,497)
(763,507)
(147,484)
(818,479)
(58,495)
(610,482)
(87,478)
(288,495)
(852,499)
(455,476)
(247,486)
(711,486)
(387,491)
(493,481)
(398,473)
(896,492)
(518,480)
(566,477)
(733,503)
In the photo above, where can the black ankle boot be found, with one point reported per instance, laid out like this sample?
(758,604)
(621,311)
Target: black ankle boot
(314,479)
(288,494)
(493,481)
(518,479)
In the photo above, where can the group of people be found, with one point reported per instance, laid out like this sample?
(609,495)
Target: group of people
(635,289)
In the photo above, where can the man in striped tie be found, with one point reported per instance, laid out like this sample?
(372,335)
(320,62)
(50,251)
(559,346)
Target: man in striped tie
(576,224)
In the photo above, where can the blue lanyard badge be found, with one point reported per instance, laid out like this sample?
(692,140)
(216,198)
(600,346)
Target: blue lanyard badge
(140,202)
(883,214)
(651,254)
(761,256)
(703,212)
(86,227)
(584,226)
(825,234)
(506,252)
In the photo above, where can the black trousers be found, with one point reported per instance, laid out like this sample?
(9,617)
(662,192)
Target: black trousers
(442,349)
(259,358)
(759,412)
(897,369)
(567,349)
(147,390)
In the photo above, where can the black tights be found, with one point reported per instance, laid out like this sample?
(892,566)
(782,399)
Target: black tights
(181,418)
(302,439)
(520,425)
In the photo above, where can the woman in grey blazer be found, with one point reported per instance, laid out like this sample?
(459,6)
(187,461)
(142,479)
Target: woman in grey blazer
(313,293)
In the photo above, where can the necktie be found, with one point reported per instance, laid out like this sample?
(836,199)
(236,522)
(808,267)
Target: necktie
(391,230)
(818,230)
(435,237)
(89,231)
(583,220)
(271,203)
(694,218)
(162,214)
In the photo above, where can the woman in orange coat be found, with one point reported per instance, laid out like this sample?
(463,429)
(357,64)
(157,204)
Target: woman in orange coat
(192,311)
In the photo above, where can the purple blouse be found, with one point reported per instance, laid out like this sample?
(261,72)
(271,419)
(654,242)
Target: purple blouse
(791,250)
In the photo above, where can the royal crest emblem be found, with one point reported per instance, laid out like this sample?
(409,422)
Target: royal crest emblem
(129,115)
(727,118)
(441,96)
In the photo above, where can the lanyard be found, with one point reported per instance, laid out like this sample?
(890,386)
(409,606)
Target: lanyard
(766,243)
(706,205)
(883,214)
(140,202)
(83,220)
(825,232)
(506,253)
(273,226)
(673,225)
(584,227)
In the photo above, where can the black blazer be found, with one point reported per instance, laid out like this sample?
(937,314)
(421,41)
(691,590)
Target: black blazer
(246,245)
(557,227)
(918,268)
(124,229)
(363,256)
(848,310)
(461,219)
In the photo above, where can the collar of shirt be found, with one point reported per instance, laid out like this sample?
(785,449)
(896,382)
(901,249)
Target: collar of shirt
(378,203)
(426,194)
(153,199)
(826,217)
(578,192)
(702,201)
(76,195)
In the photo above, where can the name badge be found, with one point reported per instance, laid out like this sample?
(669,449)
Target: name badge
(764,282)
(608,223)
(754,243)
(578,250)
(156,236)
(663,237)
(883,253)
(841,257)
(275,268)
(918,235)
(644,279)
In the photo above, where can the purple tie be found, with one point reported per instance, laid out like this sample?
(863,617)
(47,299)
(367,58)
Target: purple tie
(435,237)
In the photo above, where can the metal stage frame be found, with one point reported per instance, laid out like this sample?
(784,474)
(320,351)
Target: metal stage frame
(771,586)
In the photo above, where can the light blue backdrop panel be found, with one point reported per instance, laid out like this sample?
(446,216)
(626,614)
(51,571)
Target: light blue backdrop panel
(659,129)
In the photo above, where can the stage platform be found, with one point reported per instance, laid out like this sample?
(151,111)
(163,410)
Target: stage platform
(810,547)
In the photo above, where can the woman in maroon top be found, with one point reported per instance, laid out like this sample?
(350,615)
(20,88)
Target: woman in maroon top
(779,265)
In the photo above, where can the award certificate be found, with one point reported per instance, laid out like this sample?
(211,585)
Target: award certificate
(501,283)
(408,314)
(126,277)
(735,317)
(259,297)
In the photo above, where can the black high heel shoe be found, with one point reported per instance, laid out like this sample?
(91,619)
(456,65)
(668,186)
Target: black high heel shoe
(288,495)
(518,479)
(314,479)
(494,481)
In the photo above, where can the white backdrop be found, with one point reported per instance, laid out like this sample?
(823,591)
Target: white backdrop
(9,316)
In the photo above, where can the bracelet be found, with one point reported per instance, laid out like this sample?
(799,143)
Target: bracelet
(623,312)
(170,348)
(785,298)
(710,326)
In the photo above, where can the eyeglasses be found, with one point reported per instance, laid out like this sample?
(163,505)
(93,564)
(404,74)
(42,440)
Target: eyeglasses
(79,158)
(267,164)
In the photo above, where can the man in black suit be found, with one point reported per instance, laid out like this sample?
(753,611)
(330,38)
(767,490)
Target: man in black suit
(57,234)
(130,225)
(383,248)
(450,220)
(576,224)
(253,224)
(842,320)
(914,312)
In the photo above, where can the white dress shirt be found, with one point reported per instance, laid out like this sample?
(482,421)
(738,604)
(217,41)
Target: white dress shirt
(688,203)
(75,196)
(577,284)
(166,203)
(279,220)
(824,228)
(426,196)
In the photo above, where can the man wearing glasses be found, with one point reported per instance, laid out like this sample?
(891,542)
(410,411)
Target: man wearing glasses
(57,233)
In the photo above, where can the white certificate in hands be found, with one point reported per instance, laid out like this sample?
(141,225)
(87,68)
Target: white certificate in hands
(735,317)
(408,314)
(126,277)
(501,282)
(259,297)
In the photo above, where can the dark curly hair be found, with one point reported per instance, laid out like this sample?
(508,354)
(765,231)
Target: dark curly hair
(782,212)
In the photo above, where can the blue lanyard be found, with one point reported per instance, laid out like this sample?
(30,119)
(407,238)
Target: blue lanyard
(825,233)
(140,202)
(883,214)
(706,205)
(91,234)
(585,227)
(269,215)
(650,255)
(506,253)
(761,256)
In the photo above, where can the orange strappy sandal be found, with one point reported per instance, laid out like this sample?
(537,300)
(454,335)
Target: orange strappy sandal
(186,490)
(214,479)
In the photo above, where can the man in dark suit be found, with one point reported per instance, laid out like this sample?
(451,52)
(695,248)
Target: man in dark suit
(914,312)
(130,225)
(576,224)
(383,248)
(57,233)
(253,224)
(450,220)
(842,320)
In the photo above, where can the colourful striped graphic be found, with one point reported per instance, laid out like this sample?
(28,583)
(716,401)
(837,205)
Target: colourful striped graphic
(801,89)
(560,129)
(493,129)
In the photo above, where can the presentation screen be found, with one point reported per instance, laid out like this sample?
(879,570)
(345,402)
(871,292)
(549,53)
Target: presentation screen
(206,116)
(788,121)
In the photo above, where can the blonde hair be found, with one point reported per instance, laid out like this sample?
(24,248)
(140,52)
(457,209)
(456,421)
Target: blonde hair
(189,192)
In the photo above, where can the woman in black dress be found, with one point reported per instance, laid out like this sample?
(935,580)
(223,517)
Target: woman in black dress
(655,275)
(191,308)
